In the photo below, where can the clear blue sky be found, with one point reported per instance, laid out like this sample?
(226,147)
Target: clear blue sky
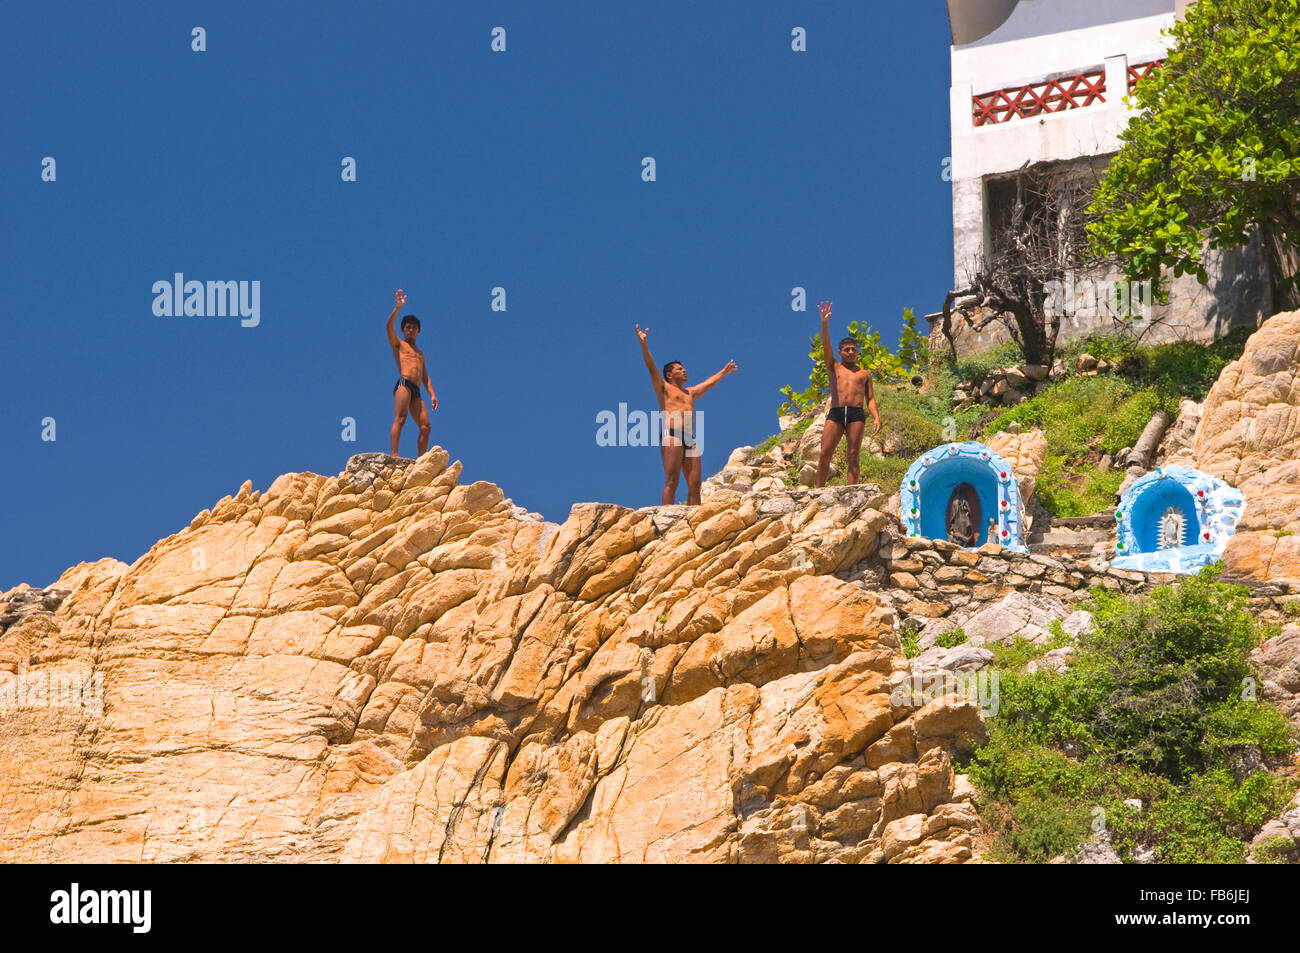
(474,170)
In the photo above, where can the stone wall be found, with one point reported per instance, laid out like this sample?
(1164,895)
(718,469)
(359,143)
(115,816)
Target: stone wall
(930,578)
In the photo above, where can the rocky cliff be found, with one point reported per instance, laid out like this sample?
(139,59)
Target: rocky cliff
(386,665)
(1249,437)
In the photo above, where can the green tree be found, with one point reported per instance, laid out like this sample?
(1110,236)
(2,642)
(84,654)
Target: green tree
(1214,151)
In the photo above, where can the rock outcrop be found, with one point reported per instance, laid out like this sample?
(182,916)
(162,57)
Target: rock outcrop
(1249,436)
(387,665)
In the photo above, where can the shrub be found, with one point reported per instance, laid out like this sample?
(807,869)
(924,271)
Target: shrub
(951,638)
(1150,707)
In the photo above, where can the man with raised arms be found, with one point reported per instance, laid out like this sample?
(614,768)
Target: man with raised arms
(850,387)
(411,367)
(677,444)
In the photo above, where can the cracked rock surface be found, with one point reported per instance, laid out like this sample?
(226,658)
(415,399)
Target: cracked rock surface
(386,665)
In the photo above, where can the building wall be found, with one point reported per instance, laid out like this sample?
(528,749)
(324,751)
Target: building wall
(1047,39)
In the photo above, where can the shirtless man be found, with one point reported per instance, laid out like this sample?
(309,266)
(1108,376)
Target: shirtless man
(850,386)
(677,444)
(410,364)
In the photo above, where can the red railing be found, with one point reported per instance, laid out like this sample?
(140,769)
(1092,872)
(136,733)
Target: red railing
(1049,96)
(1136,73)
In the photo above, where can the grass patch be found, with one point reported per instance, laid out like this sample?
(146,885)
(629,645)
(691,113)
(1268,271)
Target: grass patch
(953,637)
(1076,489)
(1082,418)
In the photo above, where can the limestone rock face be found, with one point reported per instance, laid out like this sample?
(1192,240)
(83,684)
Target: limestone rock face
(387,665)
(1026,453)
(1249,436)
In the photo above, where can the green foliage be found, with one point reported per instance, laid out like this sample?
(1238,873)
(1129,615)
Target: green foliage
(1276,850)
(1013,657)
(1165,662)
(1188,369)
(953,637)
(978,365)
(1149,707)
(1131,416)
(885,472)
(913,346)
(1037,830)
(1212,819)
(1215,147)
(1079,415)
(910,648)
(1070,412)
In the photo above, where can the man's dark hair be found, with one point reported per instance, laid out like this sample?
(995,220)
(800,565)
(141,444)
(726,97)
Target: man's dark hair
(844,341)
(410,319)
(670,364)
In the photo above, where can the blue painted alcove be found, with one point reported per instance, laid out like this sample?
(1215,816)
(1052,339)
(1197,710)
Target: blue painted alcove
(1209,511)
(929,483)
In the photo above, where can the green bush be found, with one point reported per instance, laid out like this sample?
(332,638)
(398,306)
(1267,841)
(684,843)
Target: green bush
(1150,706)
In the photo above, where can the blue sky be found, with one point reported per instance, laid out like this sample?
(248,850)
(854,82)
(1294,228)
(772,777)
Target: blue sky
(475,170)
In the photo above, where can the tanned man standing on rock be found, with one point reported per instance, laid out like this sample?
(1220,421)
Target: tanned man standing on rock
(410,364)
(677,444)
(850,387)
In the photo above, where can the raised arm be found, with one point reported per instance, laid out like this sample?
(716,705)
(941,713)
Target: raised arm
(399,300)
(655,377)
(699,389)
(827,354)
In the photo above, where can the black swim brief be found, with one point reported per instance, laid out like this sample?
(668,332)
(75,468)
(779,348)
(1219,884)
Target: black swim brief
(855,415)
(687,440)
(411,385)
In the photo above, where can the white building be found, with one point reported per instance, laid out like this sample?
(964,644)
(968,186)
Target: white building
(1043,81)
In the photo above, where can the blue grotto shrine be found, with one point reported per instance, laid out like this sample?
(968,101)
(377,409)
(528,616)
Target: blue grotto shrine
(965,493)
(1175,519)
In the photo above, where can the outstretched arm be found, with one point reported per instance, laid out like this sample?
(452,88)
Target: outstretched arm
(827,354)
(699,389)
(655,377)
(399,301)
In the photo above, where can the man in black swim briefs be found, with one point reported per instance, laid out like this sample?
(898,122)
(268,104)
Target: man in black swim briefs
(406,392)
(850,387)
(677,447)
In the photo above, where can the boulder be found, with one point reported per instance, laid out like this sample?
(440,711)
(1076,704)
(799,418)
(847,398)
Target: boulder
(1249,437)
